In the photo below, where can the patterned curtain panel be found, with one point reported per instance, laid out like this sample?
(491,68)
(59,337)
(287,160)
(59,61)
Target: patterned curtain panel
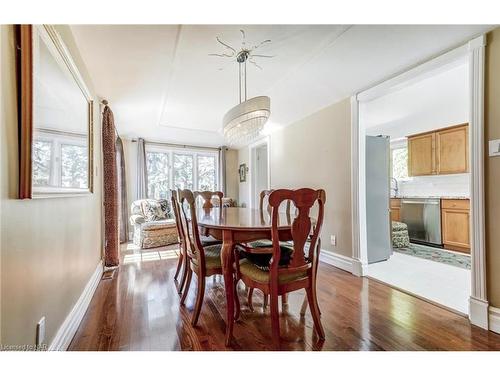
(110,181)
(142,170)
(222,168)
(122,188)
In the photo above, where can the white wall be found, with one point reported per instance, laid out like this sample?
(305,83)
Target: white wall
(315,152)
(49,247)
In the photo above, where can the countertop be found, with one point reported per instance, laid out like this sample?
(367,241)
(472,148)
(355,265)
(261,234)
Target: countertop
(429,196)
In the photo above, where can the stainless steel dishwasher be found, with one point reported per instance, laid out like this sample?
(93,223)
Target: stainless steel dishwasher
(423,217)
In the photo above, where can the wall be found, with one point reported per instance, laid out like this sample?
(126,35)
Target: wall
(492,166)
(455,185)
(316,152)
(49,247)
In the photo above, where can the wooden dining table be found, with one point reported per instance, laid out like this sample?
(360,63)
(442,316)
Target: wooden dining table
(233,225)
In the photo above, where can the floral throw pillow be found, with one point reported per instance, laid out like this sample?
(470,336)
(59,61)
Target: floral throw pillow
(155,210)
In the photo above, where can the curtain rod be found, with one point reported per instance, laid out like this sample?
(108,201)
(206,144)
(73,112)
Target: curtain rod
(179,146)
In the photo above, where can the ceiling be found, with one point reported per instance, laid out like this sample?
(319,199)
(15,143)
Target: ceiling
(163,85)
(436,101)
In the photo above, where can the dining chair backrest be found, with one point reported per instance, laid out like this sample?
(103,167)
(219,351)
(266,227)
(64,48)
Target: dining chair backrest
(207,197)
(264,201)
(303,199)
(177,214)
(187,203)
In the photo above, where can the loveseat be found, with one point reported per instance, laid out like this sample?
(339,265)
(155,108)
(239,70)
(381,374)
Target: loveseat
(153,222)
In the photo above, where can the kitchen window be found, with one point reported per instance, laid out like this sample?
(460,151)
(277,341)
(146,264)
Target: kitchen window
(399,163)
(172,168)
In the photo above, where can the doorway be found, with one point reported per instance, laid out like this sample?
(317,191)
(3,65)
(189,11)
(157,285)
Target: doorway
(259,171)
(473,53)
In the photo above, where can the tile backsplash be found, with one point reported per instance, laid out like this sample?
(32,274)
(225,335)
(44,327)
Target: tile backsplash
(446,185)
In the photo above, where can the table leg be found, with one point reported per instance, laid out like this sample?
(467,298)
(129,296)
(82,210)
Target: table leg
(227,269)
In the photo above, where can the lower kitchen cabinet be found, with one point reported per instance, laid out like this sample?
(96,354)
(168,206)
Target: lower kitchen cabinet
(455,224)
(395,209)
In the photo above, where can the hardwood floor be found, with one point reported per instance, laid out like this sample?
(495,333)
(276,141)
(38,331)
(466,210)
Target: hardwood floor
(138,309)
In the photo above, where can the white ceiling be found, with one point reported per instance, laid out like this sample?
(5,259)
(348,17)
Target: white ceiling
(436,101)
(163,86)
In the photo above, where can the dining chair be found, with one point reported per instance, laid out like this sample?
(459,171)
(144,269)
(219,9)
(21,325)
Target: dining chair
(264,206)
(182,262)
(202,260)
(207,197)
(279,277)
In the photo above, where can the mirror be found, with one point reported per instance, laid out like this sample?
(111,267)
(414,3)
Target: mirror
(56,118)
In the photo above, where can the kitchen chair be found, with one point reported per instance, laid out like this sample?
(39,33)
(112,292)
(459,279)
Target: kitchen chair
(207,197)
(300,271)
(202,260)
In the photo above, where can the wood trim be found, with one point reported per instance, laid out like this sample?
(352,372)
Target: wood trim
(24,45)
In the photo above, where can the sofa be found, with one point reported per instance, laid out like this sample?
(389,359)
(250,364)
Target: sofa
(153,222)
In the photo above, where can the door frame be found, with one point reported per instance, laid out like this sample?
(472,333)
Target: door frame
(474,51)
(254,203)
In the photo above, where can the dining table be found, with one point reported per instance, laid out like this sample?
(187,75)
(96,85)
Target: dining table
(233,225)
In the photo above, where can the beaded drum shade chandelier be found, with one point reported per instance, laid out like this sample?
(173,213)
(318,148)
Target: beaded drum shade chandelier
(244,122)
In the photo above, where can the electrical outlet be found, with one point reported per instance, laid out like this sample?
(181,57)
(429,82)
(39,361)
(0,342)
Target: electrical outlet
(40,332)
(333,240)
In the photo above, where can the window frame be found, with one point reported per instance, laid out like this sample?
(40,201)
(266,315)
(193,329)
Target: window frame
(171,150)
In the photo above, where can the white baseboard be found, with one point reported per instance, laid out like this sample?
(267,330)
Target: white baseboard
(478,312)
(336,260)
(358,268)
(68,329)
(494,319)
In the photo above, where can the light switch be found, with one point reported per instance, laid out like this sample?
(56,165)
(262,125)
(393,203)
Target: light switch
(494,146)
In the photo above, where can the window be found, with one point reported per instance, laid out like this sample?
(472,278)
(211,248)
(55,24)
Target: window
(183,171)
(74,161)
(170,168)
(42,161)
(400,163)
(158,176)
(206,172)
(60,159)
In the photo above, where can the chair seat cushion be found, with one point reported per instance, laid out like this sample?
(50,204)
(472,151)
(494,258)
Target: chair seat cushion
(209,240)
(251,270)
(262,260)
(158,225)
(212,257)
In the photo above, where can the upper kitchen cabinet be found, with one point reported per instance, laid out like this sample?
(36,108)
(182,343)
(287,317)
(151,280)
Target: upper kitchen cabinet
(443,151)
(452,146)
(421,154)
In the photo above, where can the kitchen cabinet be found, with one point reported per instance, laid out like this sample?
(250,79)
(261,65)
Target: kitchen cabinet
(395,209)
(452,147)
(421,154)
(455,224)
(443,151)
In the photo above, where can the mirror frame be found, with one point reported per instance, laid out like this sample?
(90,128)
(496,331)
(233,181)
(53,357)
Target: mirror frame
(24,56)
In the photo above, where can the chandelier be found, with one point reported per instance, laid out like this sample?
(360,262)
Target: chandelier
(244,122)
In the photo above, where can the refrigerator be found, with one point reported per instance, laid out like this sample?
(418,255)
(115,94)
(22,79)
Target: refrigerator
(378,221)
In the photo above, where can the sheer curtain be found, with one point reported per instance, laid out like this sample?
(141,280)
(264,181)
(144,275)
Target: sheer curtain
(122,191)
(110,182)
(142,170)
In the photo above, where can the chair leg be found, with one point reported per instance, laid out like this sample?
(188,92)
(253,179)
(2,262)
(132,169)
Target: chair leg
(199,299)
(249,299)
(284,299)
(179,265)
(264,306)
(189,272)
(275,320)
(313,305)
(185,268)
(304,306)
(237,309)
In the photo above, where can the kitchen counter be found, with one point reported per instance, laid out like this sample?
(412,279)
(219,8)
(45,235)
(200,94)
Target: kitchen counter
(432,197)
